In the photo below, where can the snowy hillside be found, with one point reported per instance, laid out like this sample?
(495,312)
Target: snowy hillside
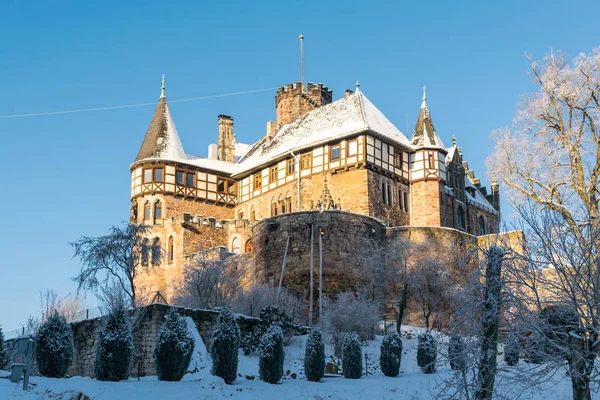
(411,384)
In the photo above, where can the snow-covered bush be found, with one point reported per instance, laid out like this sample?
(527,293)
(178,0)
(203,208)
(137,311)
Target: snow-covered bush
(272,355)
(54,347)
(174,348)
(269,316)
(457,353)
(115,349)
(352,356)
(427,353)
(258,297)
(314,356)
(3,352)
(391,355)
(225,343)
(349,313)
(511,350)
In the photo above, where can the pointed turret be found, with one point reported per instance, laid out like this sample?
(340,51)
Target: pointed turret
(162,140)
(425,134)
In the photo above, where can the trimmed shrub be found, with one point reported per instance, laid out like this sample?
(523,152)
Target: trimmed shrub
(54,347)
(272,355)
(511,351)
(3,352)
(269,316)
(391,355)
(225,343)
(115,349)
(352,356)
(314,356)
(427,353)
(174,348)
(457,353)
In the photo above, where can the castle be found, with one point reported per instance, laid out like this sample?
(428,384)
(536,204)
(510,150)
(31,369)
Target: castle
(338,171)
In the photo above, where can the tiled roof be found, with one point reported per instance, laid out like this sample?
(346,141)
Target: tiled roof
(337,120)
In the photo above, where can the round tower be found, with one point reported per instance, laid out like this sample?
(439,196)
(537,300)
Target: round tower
(292,101)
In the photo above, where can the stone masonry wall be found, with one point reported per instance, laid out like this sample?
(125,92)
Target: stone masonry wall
(425,203)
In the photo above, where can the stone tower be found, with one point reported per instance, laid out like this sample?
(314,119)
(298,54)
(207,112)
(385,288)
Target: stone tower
(226,142)
(292,101)
(428,170)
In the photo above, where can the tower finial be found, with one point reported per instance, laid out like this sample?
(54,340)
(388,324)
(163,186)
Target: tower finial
(357,87)
(424,103)
(162,89)
(301,61)
(453,140)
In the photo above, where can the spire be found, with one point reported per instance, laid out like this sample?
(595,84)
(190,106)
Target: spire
(162,140)
(162,89)
(453,140)
(357,87)
(424,134)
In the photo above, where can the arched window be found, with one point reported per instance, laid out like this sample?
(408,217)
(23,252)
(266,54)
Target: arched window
(252,214)
(157,211)
(145,250)
(147,211)
(170,250)
(288,202)
(460,218)
(240,215)
(235,245)
(273,207)
(248,247)
(156,251)
(481,225)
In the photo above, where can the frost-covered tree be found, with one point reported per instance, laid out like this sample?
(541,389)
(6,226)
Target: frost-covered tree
(427,353)
(391,355)
(3,352)
(314,356)
(456,352)
(352,356)
(115,349)
(117,257)
(272,355)
(225,342)
(549,159)
(54,347)
(174,348)
(512,350)
(428,284)
(256,298)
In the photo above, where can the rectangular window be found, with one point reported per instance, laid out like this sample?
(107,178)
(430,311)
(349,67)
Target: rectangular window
(189,181)
(273,174)
(147,176)
(180,177)
(336,153)
(257,181)
(389,194)
(398,159)
(400,199)
(405,201)
(158,174)
(231,187)
(291,166)
(147,211)
(352,148)
(430,160)
(383,193)
(220,186)
(305,161)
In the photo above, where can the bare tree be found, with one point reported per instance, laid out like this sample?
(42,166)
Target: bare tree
(117,257)
(209,281)
(550,160)
(428,284)
(71,307)
(252,300)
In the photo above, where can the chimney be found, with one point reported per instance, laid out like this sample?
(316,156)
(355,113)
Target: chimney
(348,93)
(272,128)
(226,145)
(212,152)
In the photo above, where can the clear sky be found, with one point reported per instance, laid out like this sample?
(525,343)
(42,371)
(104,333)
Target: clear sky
(67,175)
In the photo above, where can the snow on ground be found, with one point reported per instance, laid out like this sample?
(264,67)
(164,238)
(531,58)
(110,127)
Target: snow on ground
(410,385)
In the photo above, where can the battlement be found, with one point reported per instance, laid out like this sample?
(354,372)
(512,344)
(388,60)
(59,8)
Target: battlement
(291,101)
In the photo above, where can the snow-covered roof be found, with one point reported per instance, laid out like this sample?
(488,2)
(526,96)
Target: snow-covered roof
(161,140)
(424,134)
(478,199)
(339,119)
(240,150)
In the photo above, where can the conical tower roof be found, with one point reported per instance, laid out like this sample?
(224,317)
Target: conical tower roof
(162,140)
(425,134)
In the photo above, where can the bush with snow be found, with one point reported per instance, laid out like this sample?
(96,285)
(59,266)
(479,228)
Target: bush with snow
(174,348)
(391,355)
(427,353)
(512,350)
(272,355)
(3,352)
(115,349)
(225,342)
(346,313)
(314,356)
(269,316)
(457,353)
(352,356)
(54,347)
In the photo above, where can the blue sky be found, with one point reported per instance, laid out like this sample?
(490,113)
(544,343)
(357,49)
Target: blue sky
(67,175)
